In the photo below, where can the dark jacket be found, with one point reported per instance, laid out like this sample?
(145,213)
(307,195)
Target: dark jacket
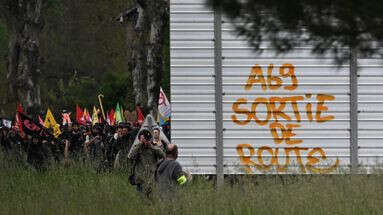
(168,175)
(38,155)
(76,142)
(119,150)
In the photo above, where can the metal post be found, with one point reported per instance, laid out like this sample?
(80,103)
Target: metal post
(218,96)
(354,110)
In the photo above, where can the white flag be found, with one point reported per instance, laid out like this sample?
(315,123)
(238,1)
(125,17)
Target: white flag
(7,123)
(164,105)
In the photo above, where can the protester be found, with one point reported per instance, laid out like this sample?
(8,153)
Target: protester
(38,155)
(102,146)
(120,146)
(55,150)
(144,157)
(166,130)
(112,146)
(12,147)
(4,141)
(74,141)
(96,149)
(158,141)
(169,174)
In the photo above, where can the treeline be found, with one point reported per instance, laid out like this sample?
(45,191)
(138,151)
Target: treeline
(84,52)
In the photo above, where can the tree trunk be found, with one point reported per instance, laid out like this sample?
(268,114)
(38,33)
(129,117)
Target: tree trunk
(151,20)
(139,58)
(155,66)
(23,54)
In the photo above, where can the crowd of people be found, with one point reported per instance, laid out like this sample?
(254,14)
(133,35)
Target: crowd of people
(147,158)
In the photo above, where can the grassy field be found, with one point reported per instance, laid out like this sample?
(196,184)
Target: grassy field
(83,191)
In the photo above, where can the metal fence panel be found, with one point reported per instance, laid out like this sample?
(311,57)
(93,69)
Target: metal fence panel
(196,139)
(282,113)
(370,101)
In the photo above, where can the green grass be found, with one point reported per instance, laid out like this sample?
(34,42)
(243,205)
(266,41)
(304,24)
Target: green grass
(80,190)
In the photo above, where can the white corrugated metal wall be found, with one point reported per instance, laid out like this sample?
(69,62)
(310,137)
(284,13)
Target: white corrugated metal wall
(318,146)
(370,91)
(192,84)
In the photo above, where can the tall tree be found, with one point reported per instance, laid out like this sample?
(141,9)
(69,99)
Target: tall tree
(150,19)
(330,26)
(24,22)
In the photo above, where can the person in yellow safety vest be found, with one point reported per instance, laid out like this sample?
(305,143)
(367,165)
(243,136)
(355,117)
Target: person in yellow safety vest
(169,173)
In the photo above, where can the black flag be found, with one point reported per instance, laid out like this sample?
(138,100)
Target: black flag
(31,127)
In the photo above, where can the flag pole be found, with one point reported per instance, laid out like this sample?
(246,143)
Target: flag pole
(102,109)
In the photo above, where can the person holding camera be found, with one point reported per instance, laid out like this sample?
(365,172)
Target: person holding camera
(144,157)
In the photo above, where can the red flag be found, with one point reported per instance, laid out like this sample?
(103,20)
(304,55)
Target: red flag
(19,108)
(79,115)
(111,117)
(140,116)
(19,124)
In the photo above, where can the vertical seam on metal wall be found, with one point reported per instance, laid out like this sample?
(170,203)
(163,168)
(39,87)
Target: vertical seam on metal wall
(354,110)
(218,95)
